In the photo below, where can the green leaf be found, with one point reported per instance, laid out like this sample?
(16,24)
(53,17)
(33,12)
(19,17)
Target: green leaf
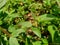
(13,41)
(11,28)
(25,24)
(51,31)
(35,6)
(45,42)
(45,17)
(14,15)
(2,3)
(1,22)
(26,43)
(17,32)
(36,31)
(10,17)
(58,2)
(37,43)
(47,2)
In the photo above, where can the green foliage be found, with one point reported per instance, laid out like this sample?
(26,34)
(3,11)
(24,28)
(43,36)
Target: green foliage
(2,3)
(36,31)
(30,22)
(13,41)
(37,42)
(45,42)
